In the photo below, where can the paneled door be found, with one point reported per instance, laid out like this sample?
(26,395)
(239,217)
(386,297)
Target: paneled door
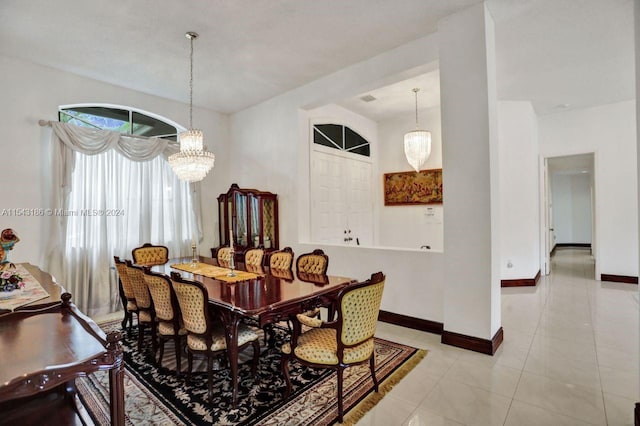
(341,200)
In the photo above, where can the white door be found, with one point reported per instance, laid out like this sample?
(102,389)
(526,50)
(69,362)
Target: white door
(341,206)
(360,208)
(328,206)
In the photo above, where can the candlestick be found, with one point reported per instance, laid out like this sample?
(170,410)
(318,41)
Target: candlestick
(231,237)
(194,254)
(232,263)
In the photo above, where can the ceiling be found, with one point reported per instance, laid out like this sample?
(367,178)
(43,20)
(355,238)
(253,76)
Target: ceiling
(558,54)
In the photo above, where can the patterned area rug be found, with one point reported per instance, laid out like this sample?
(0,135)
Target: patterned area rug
(154,396)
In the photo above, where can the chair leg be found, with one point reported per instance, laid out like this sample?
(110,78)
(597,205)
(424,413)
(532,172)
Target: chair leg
(256,356)
(178,344)
(372,367)
(131,320)
(162,341)
(124,320)
(154,338)
(340,409)
(140,334)
(284,365)
(210,374)
(189,364)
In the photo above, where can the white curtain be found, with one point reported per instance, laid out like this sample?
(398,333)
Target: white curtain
(111,193)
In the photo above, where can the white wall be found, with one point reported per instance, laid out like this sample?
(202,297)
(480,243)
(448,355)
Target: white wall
(409,226)
(609,132)
(278,129)
(32,92)
(571,208)
(471,178)
(519,192)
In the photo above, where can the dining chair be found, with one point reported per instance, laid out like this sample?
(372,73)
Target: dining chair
(316,262)
(168,315)
(253,257)
(126,292)
(281,259)
(146,314)
(150,255)
(205,334)
(341,343)
(224,255)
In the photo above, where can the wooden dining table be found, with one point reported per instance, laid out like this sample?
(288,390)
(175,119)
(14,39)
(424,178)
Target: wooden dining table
(46,344)
(268,295)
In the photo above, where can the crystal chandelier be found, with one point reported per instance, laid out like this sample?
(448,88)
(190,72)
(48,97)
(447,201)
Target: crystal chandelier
(192,163)
(417,143)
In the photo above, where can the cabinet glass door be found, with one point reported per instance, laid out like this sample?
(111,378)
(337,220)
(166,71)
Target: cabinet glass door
(254,206)
(269,222)
(241,219)
(224,241)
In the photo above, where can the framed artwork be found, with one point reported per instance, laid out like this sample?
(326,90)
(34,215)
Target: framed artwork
(409,188)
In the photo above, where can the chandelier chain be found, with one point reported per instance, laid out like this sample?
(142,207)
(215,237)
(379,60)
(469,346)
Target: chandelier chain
(415,91)
(191,84)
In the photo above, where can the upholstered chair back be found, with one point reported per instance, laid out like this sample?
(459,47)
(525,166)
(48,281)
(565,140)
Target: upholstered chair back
(149,255)
(193,300)
(140,289)
(127,288)
(281,259)
(341,343)
(160,290)
(359,305)
(313,263)
(253,257)
(224,255)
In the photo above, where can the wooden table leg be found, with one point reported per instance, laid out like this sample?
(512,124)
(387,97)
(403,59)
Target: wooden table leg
(231,321)
(116,390)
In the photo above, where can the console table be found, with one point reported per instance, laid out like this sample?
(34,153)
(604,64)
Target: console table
(44,348)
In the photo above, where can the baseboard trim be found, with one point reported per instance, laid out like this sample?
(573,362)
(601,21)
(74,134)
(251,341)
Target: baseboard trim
(619,278)
(522,282)
(476,344)
(587,245)
(411,322)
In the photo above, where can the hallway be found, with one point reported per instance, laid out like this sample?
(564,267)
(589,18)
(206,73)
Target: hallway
(570,357)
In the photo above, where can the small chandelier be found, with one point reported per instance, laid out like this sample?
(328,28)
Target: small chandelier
(417,143)
(192,163)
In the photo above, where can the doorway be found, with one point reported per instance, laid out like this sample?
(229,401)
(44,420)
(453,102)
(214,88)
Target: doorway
(569,204)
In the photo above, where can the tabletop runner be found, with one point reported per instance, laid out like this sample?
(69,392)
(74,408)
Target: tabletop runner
(215,272)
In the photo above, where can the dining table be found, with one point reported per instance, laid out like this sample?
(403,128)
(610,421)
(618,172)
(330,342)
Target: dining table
(258,292)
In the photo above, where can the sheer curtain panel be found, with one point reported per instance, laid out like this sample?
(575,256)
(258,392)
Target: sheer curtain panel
(111,193)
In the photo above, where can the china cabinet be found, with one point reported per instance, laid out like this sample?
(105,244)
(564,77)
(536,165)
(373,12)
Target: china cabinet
(250,217)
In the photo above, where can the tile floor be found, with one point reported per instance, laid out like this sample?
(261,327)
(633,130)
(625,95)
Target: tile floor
(569,357)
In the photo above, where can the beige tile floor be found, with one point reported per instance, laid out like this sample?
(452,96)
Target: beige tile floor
(570,357)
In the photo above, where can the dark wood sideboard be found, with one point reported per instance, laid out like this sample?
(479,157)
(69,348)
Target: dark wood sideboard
(44,347)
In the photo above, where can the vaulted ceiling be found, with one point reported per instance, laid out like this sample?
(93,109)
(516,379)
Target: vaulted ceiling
(557,54)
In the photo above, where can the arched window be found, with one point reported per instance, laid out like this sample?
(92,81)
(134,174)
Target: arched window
(341,138)
(115,204)
(119,118)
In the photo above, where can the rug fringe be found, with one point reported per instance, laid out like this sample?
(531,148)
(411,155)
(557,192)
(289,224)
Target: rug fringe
(357,412)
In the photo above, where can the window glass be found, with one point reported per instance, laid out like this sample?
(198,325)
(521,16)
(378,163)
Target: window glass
(119,120)
(340,137)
